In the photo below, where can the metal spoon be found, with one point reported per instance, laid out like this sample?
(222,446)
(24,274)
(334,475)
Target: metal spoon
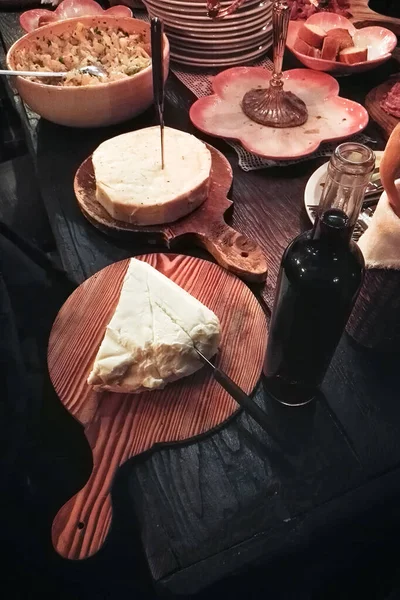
(89,70)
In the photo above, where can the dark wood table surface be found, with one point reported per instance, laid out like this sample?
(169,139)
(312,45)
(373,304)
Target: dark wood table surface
(210,508)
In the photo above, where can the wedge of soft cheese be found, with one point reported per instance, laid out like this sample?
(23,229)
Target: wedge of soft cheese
(132,186)
(150,339)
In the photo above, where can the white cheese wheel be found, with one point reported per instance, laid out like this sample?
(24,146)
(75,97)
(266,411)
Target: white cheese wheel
(132,186)
(150,339)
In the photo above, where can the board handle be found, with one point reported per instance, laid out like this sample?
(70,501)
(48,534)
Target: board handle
(82,524)
(235,252)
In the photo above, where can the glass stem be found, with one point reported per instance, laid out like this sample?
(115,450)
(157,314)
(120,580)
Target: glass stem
(280,25)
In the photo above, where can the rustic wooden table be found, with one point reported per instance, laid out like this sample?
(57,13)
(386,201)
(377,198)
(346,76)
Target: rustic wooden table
(210,508)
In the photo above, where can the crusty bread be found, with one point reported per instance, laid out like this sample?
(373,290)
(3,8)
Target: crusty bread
(330,48)
(304,48)
(312,34)
(315,53)
(353,55)
(131,185)
(343,36)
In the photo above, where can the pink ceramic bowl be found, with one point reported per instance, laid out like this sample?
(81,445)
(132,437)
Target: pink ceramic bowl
(95,105)
(380,43)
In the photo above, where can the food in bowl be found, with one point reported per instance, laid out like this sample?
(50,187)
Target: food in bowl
(88,105)
(335,44)
(120,54)
(302,9)
(332,49)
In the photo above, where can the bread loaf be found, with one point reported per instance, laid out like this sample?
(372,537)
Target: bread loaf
(312,35)
(354,55)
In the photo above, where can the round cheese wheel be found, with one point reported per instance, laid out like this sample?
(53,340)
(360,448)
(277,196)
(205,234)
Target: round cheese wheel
(132,186)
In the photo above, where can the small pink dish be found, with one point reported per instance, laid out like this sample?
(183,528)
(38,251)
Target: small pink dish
(379,41)
(69,9)
(331,118)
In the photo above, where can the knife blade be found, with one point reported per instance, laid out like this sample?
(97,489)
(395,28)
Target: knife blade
(239,395)
(156,30)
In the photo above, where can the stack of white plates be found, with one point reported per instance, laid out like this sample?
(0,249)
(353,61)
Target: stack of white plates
(199,41)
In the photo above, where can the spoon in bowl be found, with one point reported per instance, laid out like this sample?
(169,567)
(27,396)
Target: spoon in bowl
(88,70)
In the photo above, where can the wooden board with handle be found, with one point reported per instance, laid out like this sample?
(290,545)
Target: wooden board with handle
(205,226)
(363,16)
(373,105)
(120,426)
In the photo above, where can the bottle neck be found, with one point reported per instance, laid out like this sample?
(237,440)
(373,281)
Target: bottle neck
(333,226)
(344,193)
(348,174)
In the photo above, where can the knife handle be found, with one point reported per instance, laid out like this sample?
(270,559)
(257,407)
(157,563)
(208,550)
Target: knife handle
(156,29)
(243,399)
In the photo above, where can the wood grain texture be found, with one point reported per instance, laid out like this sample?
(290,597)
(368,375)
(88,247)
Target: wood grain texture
(205,226)
(119,426)
(190,537)
(21,207)
(372,103)
(363,16)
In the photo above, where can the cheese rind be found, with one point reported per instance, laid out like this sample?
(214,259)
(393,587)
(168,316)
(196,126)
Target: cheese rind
(150,339)
(132,186)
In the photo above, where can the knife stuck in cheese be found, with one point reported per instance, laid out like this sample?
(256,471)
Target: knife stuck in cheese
(150,339)
(132,186)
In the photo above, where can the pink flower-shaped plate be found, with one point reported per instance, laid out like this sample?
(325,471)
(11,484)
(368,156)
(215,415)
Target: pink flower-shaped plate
(68,9)
(379,41)
(329,116)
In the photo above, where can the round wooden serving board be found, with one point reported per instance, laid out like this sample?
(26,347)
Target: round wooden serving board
(205,226)
(372,103)
(120,426)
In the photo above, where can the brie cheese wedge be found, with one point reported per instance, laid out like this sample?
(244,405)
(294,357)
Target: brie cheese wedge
(132,186)
(150,339)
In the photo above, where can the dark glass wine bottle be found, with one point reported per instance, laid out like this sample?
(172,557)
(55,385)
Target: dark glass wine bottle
(320,277)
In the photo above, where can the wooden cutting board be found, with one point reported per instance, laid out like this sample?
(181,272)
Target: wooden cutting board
(205,226)
(363,16)
(372,103)
(120,426)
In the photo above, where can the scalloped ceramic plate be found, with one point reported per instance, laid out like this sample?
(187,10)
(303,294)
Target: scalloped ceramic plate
(380,43)
(331,118)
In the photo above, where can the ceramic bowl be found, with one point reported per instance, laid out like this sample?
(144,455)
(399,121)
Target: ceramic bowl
(95,105)
(380,43)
